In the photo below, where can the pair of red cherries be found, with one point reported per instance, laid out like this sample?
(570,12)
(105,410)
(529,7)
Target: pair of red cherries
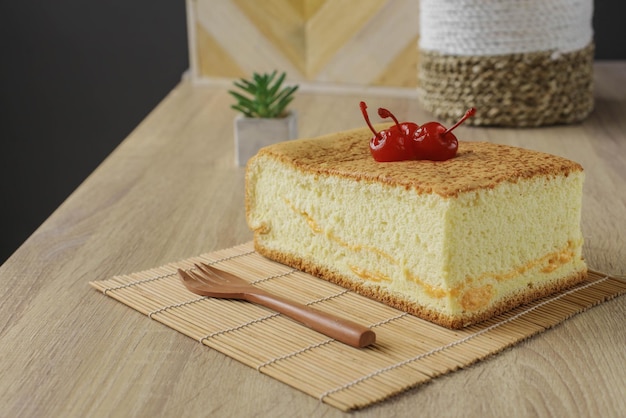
(408,141)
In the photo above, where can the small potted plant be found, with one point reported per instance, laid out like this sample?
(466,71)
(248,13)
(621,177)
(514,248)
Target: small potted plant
(264,118)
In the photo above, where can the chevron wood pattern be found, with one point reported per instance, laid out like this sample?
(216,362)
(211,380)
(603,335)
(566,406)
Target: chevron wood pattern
(345,42)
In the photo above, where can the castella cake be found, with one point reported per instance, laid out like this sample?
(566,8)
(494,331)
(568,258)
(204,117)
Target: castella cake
(454,242)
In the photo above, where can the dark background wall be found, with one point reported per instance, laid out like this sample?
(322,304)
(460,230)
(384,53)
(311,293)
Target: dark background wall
(77,77)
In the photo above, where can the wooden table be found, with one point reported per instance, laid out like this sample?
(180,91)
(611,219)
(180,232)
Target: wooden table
(171,191)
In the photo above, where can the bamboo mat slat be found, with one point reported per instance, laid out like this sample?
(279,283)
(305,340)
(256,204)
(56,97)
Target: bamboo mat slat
(409,351)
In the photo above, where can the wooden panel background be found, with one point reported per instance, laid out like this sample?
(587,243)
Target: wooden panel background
(337,42)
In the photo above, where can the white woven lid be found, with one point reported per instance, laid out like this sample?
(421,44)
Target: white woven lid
(496,27)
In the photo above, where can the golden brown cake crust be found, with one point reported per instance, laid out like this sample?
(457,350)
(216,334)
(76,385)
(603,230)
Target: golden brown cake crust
(478,165)
(396,301)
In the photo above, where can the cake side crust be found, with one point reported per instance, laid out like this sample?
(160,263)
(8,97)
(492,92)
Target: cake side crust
(377,293)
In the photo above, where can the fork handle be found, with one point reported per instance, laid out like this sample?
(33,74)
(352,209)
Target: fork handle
(343,330)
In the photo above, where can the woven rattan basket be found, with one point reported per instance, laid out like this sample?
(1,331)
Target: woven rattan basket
(521,63)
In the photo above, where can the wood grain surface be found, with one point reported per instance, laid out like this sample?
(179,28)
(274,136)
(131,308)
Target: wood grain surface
(171,191)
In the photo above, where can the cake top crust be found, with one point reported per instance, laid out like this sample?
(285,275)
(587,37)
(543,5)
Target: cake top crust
(477,165)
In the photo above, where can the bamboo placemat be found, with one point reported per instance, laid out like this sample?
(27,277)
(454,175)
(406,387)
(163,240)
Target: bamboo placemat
(409,351)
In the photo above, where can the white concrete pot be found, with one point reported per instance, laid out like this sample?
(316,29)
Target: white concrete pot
(252,134)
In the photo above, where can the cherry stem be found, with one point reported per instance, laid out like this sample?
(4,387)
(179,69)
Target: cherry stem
(367,118)
(467,115)
(384,113)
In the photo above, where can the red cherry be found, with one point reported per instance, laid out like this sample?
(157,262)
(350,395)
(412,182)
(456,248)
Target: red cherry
(387,147)
(394,143)
(434,142)
(403,132)
(431,143)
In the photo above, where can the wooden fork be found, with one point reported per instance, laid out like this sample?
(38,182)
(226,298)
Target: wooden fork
(209,281)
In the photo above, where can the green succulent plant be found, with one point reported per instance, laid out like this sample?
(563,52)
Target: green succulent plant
(265,98)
